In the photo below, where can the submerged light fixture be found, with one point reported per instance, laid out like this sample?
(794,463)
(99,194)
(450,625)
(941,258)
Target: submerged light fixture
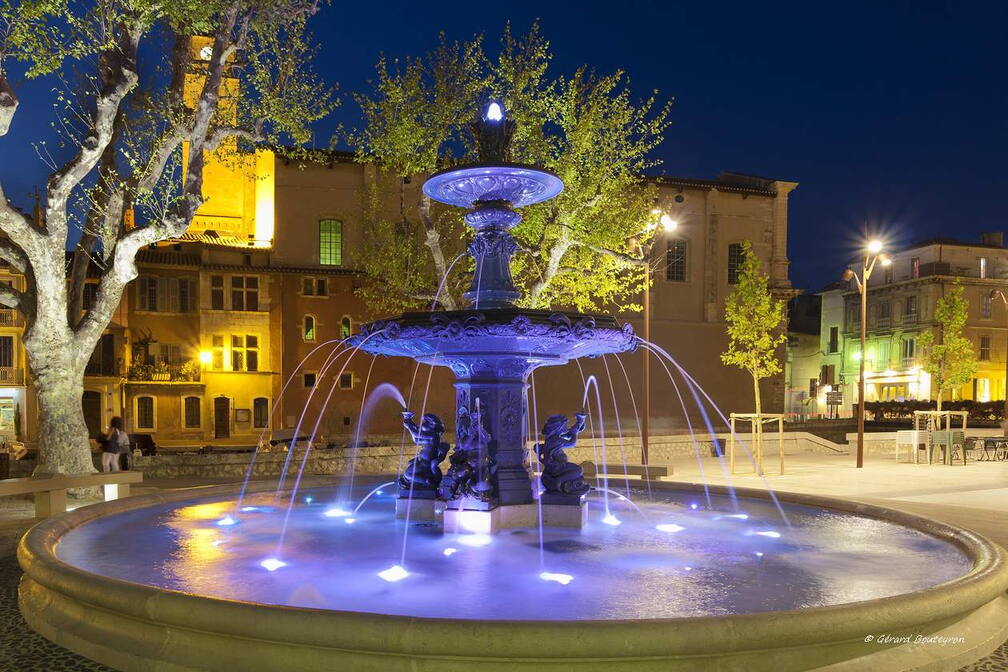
(272,564)
(226,520)
(393,573)
(610,519)
(336,512)
(562,579)
(669,527)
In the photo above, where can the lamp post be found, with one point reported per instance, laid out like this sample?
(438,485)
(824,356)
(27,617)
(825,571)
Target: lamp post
(873,253)
(998,292)
(668,225)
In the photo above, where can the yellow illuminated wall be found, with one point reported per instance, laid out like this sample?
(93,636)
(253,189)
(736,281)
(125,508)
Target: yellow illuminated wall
(237,187)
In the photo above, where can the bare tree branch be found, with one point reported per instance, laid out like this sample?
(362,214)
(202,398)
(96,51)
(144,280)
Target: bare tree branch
(10,297)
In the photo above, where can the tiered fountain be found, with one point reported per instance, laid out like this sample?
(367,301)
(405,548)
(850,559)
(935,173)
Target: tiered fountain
(492,347)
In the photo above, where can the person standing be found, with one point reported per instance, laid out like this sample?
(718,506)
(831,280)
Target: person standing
(116,442)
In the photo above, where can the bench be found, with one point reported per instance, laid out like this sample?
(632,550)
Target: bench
(51,492)
(649,472)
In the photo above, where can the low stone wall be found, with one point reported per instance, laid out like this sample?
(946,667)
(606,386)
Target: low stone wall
(370,460)
(884,443)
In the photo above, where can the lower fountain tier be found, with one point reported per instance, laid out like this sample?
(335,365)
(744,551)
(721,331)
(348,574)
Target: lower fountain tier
(496,343)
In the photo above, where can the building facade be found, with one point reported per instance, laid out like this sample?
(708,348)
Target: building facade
(902,299)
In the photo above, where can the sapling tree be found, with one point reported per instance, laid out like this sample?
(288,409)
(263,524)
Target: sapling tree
(950,359)
(754,316)
(133,135)
(581,249)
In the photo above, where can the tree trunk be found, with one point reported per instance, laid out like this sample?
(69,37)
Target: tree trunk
(63,445)
(938,403)
(758,429)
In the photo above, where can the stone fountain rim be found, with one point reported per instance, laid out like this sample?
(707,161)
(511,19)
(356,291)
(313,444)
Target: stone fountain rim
(54,593)
(490,166)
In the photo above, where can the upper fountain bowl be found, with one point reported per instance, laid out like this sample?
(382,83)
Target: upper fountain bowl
(516,184)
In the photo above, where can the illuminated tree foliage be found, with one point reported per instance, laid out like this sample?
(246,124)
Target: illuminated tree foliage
(754,317)
(582,249)
(124,118)
(952,361)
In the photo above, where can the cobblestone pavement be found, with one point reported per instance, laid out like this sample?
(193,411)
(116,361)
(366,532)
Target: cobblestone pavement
(22,650)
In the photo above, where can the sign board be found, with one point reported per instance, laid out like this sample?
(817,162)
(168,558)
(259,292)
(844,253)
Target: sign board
(834,398)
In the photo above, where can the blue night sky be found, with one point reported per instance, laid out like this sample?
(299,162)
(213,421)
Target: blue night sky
(891,112)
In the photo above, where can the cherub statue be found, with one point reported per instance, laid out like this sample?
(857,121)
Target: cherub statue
(559,475)
(423,471)
(472,467)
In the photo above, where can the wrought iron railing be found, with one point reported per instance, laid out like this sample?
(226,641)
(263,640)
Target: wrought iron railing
(161,372)
(11,318)
(10,375)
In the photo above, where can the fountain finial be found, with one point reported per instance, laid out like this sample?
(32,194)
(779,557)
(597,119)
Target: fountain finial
(492,132)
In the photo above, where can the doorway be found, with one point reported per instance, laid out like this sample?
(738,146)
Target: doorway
(222,418)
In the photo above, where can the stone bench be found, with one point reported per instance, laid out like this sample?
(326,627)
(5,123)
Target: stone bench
(51,492)
(650,472)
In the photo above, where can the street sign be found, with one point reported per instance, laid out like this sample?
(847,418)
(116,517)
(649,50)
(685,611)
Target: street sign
(834,398)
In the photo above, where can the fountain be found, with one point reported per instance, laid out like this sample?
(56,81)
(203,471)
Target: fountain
(507,559)
(492,348)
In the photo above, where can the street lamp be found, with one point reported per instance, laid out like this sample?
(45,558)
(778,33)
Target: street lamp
(873,254)
(668,225)
(998,292)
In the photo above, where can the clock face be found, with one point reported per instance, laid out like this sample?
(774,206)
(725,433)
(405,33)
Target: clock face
(206,52)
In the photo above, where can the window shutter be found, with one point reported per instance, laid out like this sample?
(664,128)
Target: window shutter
(173,295)
(142,294)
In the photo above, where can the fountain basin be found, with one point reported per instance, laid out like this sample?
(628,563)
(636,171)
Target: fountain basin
(133,626)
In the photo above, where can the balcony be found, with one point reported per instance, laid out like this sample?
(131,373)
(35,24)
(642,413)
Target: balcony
(910,318)
(11,318)
(883,322)
(10,375)
(162,372)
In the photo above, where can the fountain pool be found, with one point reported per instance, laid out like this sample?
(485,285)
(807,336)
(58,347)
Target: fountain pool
(669,560)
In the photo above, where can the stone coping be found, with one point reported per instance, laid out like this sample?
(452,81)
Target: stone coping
(129,625)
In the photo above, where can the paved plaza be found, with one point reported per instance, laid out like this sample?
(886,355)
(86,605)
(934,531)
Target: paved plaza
(973,496)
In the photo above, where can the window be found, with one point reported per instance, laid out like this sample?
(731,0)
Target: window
(889,274)
(909,348)
(884,313)
(308,287)
(90,294)
(147,293)
(145,412)
(883,354)
(985,305)
(260,412)
(834,340)
(983,267)
(345,327)
(981,389)
(346,381)
(813,387)
(218,352)
(827,374)
(186,295)
(244,353)
(330,242)
(910,309)
(216,292)
(736,255)
(985,348)
(675,261)
(915,268)
(244,292)
(309,328)
(321,287)
(309,379)
(192,409)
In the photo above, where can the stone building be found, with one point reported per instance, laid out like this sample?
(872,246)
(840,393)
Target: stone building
(901,306)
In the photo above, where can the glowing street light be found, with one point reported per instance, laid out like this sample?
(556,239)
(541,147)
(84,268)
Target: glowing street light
(667,223)
(873,254)
(494,112)
(205,357)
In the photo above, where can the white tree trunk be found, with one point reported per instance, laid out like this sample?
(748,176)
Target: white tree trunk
(63,445)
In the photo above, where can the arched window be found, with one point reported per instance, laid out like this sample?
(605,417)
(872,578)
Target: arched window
(345,327)
(736,256)
(192,412)
(145,413)
(260,412)
(309,328)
